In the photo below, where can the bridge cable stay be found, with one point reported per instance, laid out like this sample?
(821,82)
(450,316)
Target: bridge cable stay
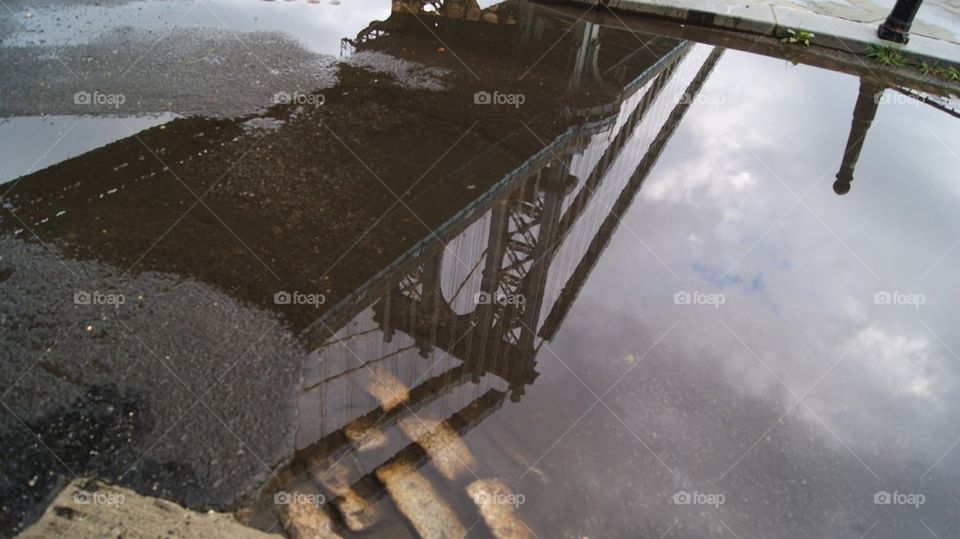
(570,292)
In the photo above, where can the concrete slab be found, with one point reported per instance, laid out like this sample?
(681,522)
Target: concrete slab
(848,27)
(388,390)
(856,37)
(303,520)
(840,34)
(358,513)
(498,507)
(441,442)
(88,509)
(420,503)
(754,18)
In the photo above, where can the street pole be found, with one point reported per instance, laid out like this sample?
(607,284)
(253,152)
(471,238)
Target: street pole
(864,112)
(897,26)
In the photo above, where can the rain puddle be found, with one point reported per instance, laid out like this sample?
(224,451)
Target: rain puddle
(22,136)
(497,270)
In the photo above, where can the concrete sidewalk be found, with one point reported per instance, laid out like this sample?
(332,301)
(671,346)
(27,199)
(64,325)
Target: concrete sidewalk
(849,26)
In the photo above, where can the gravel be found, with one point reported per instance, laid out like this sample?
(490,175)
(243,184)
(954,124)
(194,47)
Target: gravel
(112,389)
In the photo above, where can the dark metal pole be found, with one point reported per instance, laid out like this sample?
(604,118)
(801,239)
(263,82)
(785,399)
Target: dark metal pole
(863,113)
(897,26)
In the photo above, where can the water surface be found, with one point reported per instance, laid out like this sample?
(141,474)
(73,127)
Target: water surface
(613,263)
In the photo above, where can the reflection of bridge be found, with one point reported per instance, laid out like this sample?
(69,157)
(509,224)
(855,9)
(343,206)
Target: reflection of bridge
(136,189)
(520,33)
(476,299)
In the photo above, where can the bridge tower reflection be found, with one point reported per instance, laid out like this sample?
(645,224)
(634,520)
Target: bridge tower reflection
(462,317)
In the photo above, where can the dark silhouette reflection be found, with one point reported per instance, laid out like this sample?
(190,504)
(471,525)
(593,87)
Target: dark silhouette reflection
(304,198)
(440,338)
(869,98)
(450,236)
(863,113)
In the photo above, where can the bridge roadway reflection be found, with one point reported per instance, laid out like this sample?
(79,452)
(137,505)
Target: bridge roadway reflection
(449,331)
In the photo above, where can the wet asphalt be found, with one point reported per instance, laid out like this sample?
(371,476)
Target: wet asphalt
(205,408)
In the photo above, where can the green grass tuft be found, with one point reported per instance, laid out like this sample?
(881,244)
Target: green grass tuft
(889,56)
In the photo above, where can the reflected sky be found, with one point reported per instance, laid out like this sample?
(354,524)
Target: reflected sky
(800,396)
(317,26)
(34,143)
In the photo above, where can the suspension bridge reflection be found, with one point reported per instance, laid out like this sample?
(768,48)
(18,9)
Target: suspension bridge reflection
(444,336)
